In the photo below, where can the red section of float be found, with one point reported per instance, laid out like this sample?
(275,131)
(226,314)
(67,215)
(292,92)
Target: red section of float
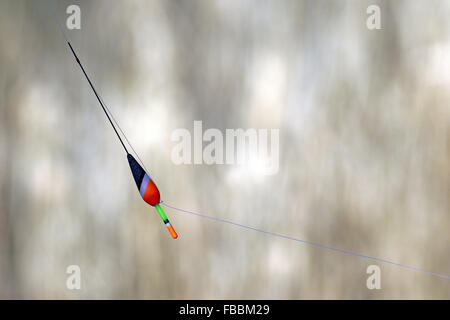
(151,195)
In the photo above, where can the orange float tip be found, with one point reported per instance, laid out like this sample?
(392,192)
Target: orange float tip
(172,231)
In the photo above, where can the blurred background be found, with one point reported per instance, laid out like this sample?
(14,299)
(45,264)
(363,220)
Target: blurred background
(364,122)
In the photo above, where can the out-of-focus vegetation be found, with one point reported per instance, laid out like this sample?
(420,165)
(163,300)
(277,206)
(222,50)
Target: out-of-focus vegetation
(364,119)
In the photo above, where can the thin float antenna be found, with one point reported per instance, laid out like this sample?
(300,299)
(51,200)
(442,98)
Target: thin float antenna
(147,188)
(85,74)
(96,94)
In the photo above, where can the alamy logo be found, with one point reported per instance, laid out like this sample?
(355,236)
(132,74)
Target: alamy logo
(73,281)
(373,22)
(374,280)
(74,20)
(242,147)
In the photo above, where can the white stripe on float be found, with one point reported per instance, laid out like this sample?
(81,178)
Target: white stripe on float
(144,185)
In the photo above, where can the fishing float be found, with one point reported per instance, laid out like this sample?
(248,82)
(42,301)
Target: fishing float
(146,186)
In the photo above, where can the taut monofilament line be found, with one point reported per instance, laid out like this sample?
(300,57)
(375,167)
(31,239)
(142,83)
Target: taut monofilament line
(96,94)
(150,193)
(147,188)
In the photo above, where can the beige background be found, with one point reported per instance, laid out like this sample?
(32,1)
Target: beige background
(364,119)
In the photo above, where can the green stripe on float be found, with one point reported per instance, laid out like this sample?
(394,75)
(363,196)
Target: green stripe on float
(161,213)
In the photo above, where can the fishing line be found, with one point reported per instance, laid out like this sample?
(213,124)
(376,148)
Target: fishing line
(146,186)
(304,241)
(123,133)
(113,121)
(53,10)
(99,98)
